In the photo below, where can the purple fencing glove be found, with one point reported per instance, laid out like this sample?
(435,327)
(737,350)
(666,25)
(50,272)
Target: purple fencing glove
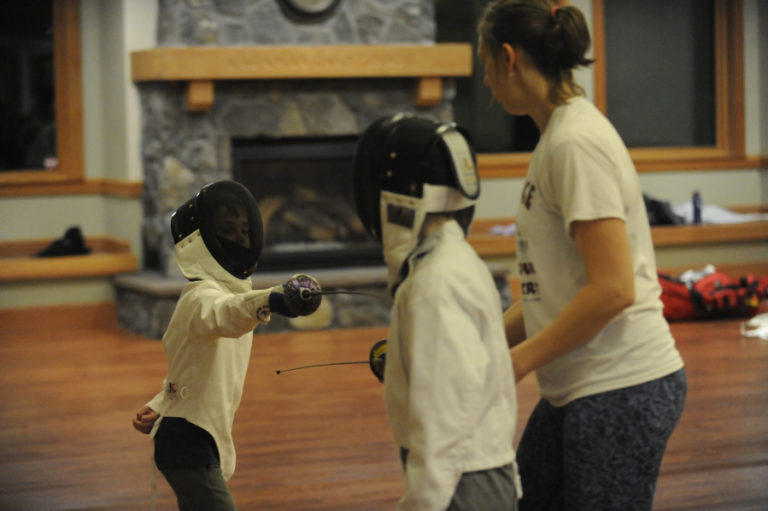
(301,295)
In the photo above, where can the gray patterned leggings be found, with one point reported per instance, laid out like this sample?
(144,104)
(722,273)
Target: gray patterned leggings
(600,452)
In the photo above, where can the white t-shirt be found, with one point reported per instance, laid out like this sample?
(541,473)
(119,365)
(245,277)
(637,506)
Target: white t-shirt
(581,170)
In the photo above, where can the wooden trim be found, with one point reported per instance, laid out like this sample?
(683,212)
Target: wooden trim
(117,188)
(109,256)
(598,53)
(514,165)
(91,265)
(113,187)
(489,245)
(493,245)
(667,236)
(27,248)
(651,160)
(729,78)
(46,188)
(55,317)
(69,105)
(69,89)
(503,165)
(199,95)
(481,225)
(484,225)
(429,91)
(732,269)
(729,34)
(201,65)
(301,62)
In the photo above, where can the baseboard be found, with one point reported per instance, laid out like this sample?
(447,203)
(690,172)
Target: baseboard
(96,315)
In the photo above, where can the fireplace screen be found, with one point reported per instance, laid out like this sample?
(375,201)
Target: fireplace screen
(304,190)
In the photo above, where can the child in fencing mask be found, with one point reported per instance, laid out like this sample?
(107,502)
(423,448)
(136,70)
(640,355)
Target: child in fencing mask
(448,383)
(406,168)
(218,238)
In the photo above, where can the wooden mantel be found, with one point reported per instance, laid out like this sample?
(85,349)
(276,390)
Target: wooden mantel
(200,66)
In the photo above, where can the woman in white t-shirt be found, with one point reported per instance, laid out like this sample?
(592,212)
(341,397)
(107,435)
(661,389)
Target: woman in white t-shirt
(589,322)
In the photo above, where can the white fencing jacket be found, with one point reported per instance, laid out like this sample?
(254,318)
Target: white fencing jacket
(448,383)
(208,345)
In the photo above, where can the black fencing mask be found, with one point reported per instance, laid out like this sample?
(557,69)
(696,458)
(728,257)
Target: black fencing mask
(230,224)
(407,167)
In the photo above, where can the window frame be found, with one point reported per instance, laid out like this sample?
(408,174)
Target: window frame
(69,113)
(729,149)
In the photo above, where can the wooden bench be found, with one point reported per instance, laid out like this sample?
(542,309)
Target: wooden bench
(109,256)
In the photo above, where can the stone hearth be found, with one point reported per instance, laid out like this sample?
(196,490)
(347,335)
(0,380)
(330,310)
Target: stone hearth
(146,300)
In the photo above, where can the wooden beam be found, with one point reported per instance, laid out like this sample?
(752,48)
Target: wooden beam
(199,95)
(301,62)
(429,92)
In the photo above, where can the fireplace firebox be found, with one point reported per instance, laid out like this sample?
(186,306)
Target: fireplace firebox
(304,189)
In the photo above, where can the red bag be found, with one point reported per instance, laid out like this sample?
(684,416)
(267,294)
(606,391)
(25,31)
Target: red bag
(717,295)
(676,297)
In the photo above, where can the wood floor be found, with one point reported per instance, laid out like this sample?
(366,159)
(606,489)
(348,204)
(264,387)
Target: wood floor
(318,439)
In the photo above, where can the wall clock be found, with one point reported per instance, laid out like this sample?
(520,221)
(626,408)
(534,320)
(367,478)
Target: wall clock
(310,8)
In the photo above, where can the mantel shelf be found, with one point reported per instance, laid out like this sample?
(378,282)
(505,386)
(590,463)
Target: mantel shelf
(202,65)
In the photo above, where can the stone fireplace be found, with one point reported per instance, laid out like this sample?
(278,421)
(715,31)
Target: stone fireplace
(182,149)
(252,90)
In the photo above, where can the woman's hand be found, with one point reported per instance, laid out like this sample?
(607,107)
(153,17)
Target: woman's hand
(145,419)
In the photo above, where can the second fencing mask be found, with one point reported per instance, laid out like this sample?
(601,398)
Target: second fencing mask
(405,167)
(228,219)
